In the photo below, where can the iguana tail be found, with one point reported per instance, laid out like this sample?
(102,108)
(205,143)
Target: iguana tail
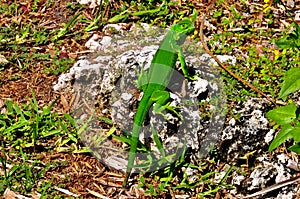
(137,126)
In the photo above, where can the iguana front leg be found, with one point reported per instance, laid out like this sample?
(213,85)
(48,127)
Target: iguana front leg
(184,67)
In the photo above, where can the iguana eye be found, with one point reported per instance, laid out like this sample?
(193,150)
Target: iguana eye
(183,26)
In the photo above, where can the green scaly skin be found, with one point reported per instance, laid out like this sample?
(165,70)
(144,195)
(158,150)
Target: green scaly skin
(158,78)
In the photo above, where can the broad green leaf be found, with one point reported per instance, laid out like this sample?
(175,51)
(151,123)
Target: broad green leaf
(291,82)
(283,115)
(296,133)
(292,40)
(285,43)
(295,148)
(283,135)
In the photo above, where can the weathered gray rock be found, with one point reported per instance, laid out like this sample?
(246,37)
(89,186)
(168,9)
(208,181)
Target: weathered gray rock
(108,79)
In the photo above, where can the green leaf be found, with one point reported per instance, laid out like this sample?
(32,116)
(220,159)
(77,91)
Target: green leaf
(73,138)
(50,133)
(166,179)
(123,139)
(296,133)
(295,148)
(283,135)
(63,126)
(18,125)
(105,119)
(291,82)
(142,179)
(283,115)
(119,17)
(13,170)
(71,119)
(285,43)
(292,40)
(19,111)
(9,106)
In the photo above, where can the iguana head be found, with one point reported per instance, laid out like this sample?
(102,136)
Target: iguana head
(183,28)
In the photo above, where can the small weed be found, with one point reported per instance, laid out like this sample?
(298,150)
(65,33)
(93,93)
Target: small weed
(262,66)
(66,28)
(23,176)
(292,40)
(26,128)
(148,11)
(165,179)
(29,126)
(287,117)
(59,65)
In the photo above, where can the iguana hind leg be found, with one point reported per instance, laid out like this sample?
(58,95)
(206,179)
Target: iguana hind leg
(161,99)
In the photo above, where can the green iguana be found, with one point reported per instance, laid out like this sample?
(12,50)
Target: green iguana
(154,82)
